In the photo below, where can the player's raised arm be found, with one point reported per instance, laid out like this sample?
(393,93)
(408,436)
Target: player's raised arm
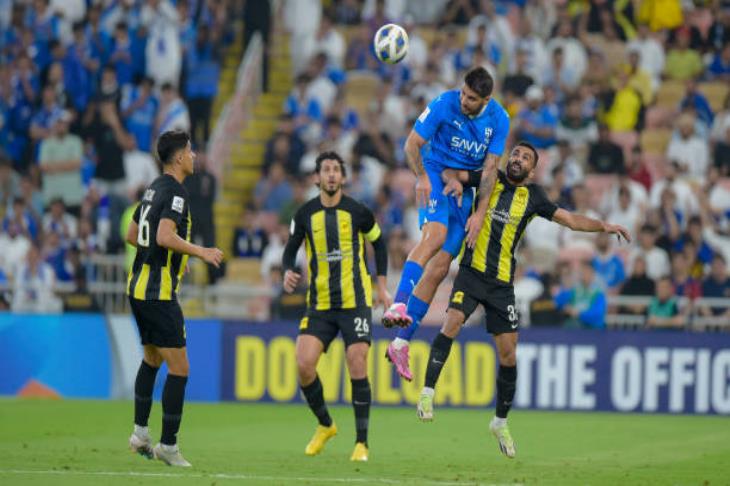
(413,146)
(296,236)
(578,222)
(167,237)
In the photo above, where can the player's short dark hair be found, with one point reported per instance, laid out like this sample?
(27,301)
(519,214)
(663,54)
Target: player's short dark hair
(480,81)
(329,155)
(532,148)
(169,143)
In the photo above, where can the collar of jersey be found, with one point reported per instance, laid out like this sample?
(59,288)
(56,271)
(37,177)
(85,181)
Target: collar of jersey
(484,108)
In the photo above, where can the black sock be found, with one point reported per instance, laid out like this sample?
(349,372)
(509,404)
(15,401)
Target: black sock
(143,386)
(315,398)
(361,398)
(440,349)
(173,396)
(506,385)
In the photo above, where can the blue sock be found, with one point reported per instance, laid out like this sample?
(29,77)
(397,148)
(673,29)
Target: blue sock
(416,309)
(412,272)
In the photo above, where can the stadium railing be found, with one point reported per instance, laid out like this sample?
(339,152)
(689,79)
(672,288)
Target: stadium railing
(237,112)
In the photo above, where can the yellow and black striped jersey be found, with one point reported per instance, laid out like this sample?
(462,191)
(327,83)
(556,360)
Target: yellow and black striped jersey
(334,240)
(157,271)
(511,208)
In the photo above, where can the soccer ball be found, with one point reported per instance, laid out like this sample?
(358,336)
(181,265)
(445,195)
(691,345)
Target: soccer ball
(391,43)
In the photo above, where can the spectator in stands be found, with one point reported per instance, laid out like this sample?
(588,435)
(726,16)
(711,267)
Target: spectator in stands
(33,284)
(626,212)
(623,114)
(657,260)
(689,150)
(272,192)
(300,106)
(9,183)
(639,80)
(638,284)
(597,74)
(663,310)
(577,129)
(651,53)
(517,82)
(69,76)
(569,164)
(110,139)
(359,53)
(584,305)
(559,75)
(31,194)
(40,126)
(202,62)
(683,63)
(695,100)
(717,195)
(139,110)
(20,220)
(702,251)
(459,12)
(60,161)
(348,12)
(608,265)
(717,285)
(605,156)
(721,122)
(479,39)
(637,172)
(57,220)
(329,40)
(173,113)
(536,123)
(722,154)
(719,69)
(121,54)
(289,151)
(574,52)
(163,51)
(684,284)
(686,201)
(718,34)
(249,239)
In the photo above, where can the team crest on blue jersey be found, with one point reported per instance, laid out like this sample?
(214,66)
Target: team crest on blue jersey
(487,134)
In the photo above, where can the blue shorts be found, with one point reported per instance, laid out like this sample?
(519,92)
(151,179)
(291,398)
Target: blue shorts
(445,210)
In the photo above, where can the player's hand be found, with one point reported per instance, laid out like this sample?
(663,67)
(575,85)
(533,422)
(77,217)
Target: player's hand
(213,256)
(383,298)
(454,188)
(619,231)
(291,279)
(473,227)
(423,190)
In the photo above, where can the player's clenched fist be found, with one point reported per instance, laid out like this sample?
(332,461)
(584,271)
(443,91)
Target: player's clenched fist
(291,279)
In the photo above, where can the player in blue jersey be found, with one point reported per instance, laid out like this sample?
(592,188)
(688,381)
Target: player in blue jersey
(465,130)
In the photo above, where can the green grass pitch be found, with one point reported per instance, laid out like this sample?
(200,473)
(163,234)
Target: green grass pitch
(85,442)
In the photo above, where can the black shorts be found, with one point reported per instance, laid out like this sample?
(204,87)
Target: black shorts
(472,288)
(160,322)
(355,325)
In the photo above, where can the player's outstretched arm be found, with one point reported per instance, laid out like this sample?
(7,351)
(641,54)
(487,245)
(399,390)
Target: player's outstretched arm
(476,220)
(578,222)
(167,237)
(413,146)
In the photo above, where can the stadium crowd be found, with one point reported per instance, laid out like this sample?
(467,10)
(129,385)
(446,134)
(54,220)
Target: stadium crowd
(85,88)
(581,81)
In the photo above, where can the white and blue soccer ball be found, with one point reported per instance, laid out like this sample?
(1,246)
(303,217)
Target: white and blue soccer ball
(391,43)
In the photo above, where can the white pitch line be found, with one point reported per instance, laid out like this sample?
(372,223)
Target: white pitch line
(244,477)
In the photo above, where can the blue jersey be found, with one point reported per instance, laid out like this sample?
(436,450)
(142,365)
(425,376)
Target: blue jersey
(459,141)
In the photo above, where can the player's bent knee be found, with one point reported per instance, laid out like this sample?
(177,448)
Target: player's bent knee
(508,357)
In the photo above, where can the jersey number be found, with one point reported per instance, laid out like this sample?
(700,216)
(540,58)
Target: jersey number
(512,313)
(143,234)
(361,325)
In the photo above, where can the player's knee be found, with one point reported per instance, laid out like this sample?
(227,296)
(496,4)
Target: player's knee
(181,368)
(440,268)
(306,369)
(508,356)
(357,363)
